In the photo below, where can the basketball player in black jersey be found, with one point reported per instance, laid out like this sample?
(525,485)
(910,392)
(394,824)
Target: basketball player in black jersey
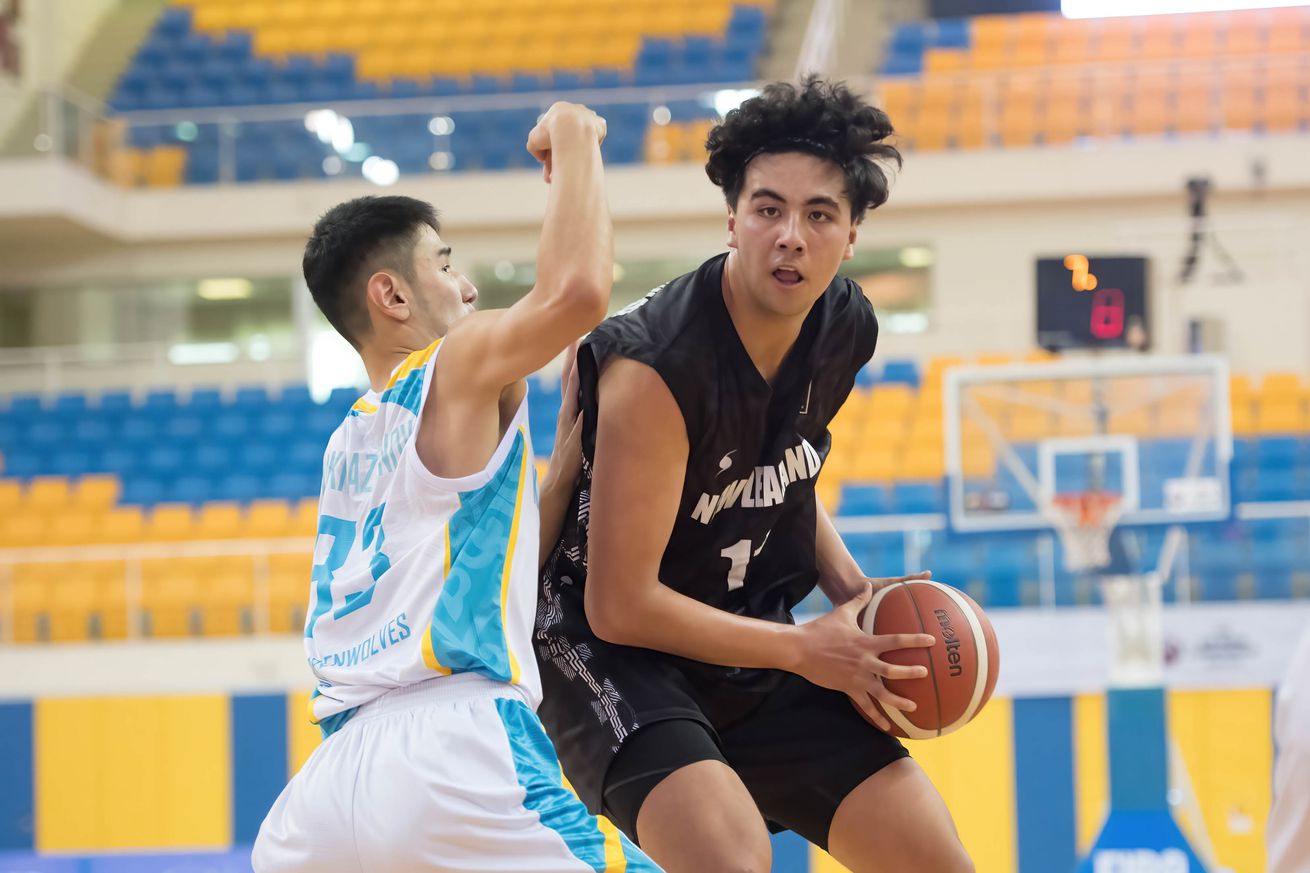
(685,703)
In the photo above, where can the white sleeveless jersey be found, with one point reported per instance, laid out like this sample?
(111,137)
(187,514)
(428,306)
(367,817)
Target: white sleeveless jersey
(416,576)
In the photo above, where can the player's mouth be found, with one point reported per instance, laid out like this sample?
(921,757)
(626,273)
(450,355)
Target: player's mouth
(787,276)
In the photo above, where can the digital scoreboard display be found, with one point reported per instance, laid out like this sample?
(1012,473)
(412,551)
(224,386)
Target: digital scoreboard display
(1092,302)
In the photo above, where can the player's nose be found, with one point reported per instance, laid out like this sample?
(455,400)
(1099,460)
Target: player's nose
(470,290)
(789,236)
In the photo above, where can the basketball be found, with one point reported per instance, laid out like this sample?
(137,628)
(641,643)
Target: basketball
(962,665)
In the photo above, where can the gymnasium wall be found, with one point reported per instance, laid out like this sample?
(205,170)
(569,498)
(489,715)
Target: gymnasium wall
(986,216)
(183,746)
(1026,782)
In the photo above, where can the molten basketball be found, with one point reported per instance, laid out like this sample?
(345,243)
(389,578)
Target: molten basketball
(962,664)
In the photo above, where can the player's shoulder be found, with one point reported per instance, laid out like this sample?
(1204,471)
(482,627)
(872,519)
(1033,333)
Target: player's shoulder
(666,316)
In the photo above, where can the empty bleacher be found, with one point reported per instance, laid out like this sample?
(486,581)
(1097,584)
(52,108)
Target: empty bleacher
(1040,79)
(210,54)
(169,514)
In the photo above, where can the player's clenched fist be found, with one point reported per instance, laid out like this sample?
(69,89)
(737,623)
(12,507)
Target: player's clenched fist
(561,121)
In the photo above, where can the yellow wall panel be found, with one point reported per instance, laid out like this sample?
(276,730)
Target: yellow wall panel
(1224,738)
(122,773)
(302,736)
(1091,768)
(974,771)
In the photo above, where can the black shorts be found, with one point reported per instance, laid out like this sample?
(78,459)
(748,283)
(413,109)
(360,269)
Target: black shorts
(798,748)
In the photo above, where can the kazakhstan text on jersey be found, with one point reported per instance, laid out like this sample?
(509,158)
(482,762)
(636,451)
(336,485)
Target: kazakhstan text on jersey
(417,576)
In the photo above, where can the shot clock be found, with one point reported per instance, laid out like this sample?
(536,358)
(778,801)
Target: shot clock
(1092,302)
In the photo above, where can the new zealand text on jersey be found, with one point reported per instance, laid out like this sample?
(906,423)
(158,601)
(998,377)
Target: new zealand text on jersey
(765,486)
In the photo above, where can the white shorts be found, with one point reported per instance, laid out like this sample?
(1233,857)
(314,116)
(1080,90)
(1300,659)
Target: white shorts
(452,774)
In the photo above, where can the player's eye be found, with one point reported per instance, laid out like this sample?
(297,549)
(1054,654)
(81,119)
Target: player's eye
(769,211)
(820,216)
(446,269)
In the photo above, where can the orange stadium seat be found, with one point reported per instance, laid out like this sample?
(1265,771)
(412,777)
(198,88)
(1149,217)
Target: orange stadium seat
(942,60)
(1115,40)
(1159,37)
(1200,35)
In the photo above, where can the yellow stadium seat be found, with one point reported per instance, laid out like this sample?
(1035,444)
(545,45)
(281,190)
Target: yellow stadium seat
(994,359)
(23,531)
(268,519)
(1280,415)
(170,521)
(874,467)
(923,463)
(170,595)
(891,400)
(73,603)
(1107,98)
(992,31)
(1150,101)
(164,166)
(1029,426)
(1280,384)
(664,144)
(109,604)
(96,492)
(288,596)
(828,491)
(11,496)
(74,528)
(124,524)
(47,494)
(229,597)
(1243,419)
(1194,108)
(305,520)
(1139,422)
(219,520)
(939,60)
(31,597)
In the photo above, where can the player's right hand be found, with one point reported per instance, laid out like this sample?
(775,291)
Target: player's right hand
(541,137)
(837,654)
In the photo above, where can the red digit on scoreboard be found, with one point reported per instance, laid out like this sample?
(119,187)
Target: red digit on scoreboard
(1108,314)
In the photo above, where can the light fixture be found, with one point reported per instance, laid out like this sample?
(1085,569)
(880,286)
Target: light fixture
(381,171)
(224,289)
(916,257)
(203,353)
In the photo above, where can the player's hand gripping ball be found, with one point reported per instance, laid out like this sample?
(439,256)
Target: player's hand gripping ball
(962,665)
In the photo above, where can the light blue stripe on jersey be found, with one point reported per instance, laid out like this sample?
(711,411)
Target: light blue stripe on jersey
(467,632)
(594,841)
(408,392)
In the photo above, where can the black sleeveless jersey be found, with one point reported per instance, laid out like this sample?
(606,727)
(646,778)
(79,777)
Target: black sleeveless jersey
(744,539)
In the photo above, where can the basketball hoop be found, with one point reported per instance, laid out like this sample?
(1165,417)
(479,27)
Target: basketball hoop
(1084,520)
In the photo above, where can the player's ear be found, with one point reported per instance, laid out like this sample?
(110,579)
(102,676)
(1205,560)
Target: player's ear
(387,297)
(850,243)
(732,228)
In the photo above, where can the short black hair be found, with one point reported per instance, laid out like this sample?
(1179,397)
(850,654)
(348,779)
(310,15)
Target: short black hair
(816,117)
(352,241)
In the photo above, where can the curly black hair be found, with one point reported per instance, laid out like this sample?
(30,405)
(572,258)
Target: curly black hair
(350,242)
(817,117)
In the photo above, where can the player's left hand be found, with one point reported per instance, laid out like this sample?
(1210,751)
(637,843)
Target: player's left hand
(885,581)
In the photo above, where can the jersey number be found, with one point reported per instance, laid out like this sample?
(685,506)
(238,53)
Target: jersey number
(342,532)
(740,555)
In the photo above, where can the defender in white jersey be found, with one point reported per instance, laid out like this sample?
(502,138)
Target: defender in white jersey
(429,541)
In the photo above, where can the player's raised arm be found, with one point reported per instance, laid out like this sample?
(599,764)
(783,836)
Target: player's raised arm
(641,455)
(575,265)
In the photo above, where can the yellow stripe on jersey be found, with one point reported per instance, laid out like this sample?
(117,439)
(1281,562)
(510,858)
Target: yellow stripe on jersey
(362,405)
(509,559)
(429,656)
(412,363)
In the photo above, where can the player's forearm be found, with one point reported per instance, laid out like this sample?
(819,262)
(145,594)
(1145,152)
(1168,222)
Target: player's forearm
(840,577)
(555,496)
(575,258)
(659,618)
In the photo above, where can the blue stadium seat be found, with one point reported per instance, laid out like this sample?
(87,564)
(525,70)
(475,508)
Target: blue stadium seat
(863,500)
(119,461)
(190,489)
(213,459)
(240,487)
(184,428)
(914,498)
(25,404)
(951,33)
(142,491)
(260,458)
(900,372)
(165,462)
(114,401)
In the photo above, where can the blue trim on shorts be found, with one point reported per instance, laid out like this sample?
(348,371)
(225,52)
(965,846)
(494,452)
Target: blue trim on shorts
(559,808)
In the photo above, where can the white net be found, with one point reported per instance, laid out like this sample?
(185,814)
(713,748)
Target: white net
(1084,521)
